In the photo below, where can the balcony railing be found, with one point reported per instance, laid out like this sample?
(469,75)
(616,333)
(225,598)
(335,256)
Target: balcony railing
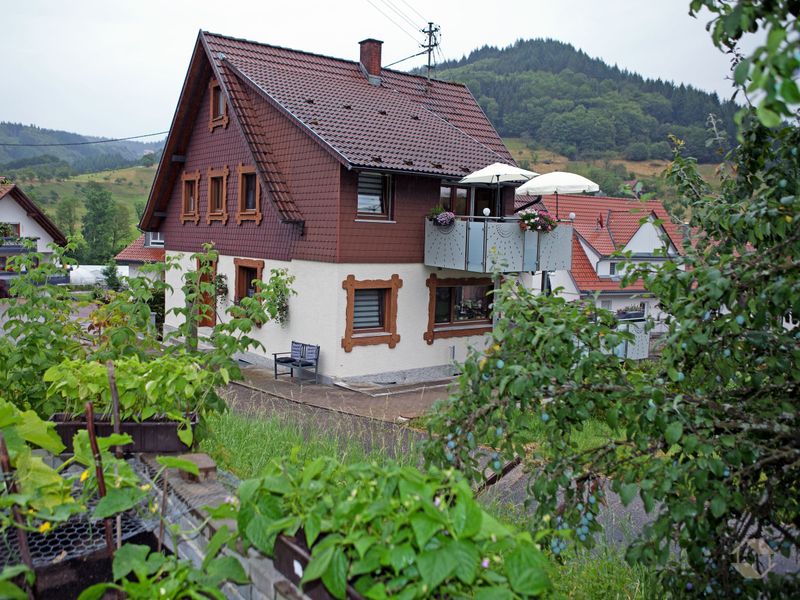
(486,244)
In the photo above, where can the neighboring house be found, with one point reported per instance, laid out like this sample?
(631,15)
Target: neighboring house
(602,227)
(328,167)
(147,248)
(26,221)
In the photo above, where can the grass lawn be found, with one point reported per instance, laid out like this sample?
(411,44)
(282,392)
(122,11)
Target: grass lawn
(245,444)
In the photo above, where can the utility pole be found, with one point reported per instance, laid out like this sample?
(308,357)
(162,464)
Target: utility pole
(433,42)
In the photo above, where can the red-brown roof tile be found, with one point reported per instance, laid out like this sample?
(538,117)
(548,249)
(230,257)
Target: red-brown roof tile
(586,278)
(138,253)
(406,123)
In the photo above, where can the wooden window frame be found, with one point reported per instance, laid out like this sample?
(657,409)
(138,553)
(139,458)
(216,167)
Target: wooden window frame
(242,214)
(387,198)
(437,331)
(194,215)
(248,263)
(216,121)
(221,215)
(453,196)
(371,337)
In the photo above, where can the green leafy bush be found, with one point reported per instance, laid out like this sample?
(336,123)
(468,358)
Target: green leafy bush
(390,531)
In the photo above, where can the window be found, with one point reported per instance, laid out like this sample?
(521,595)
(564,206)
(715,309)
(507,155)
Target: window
(218,110)
(371,316)
(458,307)
(247,272)
(12,229)
(374,196)
(612,268)
(249,202)
(369,309)
(217,195)
(605,304)
(191,185)
(455,199)
(154,239)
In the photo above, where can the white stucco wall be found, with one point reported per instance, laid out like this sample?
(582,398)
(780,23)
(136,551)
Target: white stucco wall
(317,315)
(647,240)
(11,212)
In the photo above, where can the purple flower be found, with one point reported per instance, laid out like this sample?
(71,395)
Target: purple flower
(485,563)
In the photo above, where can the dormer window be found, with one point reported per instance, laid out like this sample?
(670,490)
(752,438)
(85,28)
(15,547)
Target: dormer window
(612,268)
(374,196)
(218,107)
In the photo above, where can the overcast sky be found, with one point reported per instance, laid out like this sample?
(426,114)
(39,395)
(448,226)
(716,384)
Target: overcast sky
(115,68)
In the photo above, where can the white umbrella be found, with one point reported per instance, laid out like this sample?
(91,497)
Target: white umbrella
(499,173)
(557,182)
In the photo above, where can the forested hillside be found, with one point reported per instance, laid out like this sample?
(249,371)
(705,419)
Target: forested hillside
(564,100)
(21,149)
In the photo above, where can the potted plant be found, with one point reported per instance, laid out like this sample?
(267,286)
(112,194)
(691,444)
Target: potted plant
(441,217)
(536,220)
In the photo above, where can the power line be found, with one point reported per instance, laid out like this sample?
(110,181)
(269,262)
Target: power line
(401,14)
(405,59)
(133,137)
(396,24)
(413,9)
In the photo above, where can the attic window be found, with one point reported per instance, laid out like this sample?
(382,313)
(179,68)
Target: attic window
(190,210)
(217,209)
(218,109)
(248,204)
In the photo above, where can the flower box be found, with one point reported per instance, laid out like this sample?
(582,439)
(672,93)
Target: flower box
(152,435)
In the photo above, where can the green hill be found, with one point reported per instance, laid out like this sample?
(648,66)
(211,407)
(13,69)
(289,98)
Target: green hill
(27,150)
(559,98)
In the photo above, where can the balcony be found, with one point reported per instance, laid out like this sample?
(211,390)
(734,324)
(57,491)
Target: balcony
(487,244)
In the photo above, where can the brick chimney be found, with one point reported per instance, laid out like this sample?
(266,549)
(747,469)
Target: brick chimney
(371,59)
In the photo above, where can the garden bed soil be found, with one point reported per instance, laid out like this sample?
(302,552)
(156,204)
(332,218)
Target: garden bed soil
(153,435)
(66,580)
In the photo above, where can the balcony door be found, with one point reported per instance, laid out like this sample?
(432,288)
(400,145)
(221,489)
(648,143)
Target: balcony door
(468,201)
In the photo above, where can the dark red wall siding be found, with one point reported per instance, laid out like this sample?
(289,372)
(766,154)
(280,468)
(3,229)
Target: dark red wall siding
(313,178)
(309,170)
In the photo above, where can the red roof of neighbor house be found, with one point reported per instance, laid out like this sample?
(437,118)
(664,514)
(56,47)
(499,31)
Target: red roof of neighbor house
(406,123)
(138,253)
(13,191)
(621,219)
(586,278)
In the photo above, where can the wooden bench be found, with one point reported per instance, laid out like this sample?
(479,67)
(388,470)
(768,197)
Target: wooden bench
(304,357)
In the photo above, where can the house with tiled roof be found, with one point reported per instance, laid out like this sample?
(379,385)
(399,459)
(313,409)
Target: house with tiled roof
(604,226)
(22,219)
(329,168)
(148,248)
